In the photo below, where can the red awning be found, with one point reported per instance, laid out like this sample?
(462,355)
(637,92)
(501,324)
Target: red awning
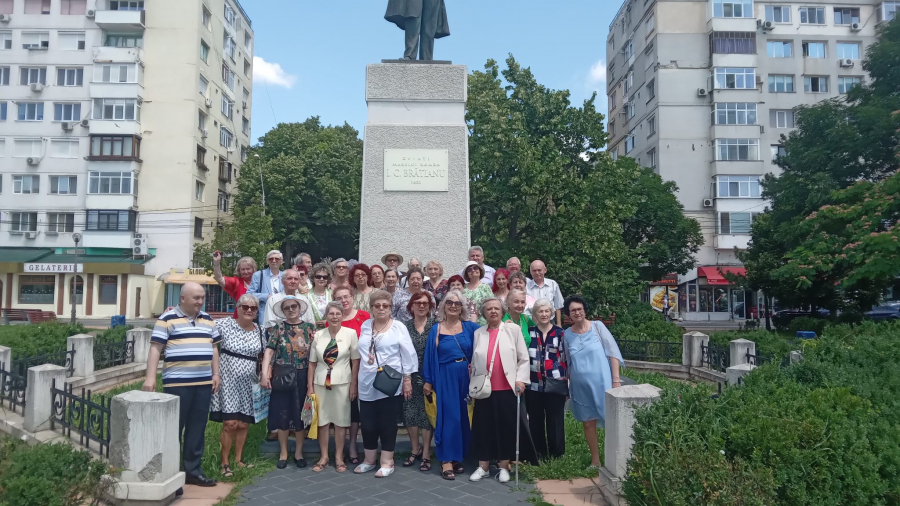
(715,274)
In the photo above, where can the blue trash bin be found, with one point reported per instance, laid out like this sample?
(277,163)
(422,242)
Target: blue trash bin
(806,334)
(117,320)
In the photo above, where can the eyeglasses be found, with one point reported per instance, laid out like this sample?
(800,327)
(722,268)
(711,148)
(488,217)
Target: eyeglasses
(294,307)
(453,303)
(340,267)
(276,259)
(381,306)
(245,307)
(473,268)
(576,310)
(321,276)
(421,303)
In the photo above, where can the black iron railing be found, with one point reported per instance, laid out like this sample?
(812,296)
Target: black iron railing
(716,357)
(62,358)
(650,351)
(113,354)
(86,416)
(12,390)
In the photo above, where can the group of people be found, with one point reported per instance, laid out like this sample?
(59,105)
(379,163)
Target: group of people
(455,359)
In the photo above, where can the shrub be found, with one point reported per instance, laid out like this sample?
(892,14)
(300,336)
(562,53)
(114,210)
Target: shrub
(39,339)
(771,344)
(113,335)
(641,322)
(817,325)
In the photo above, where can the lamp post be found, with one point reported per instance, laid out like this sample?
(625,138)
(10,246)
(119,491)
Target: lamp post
(262,187)
(77,238)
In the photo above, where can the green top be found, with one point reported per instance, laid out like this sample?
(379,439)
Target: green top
(477,297)
(524,322)
(296,351)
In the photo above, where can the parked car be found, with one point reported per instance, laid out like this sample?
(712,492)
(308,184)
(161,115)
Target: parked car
(887,311)
(782,319)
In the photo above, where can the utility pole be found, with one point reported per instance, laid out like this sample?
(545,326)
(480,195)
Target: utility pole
(77,238)
(262,186)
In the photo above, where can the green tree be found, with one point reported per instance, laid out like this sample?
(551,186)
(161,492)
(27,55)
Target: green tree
(248,234)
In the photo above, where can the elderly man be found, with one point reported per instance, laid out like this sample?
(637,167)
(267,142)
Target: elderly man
(413,262)
(304,259)
(291,280)
(267,282)
(541,287)
(476,254)
(513,265)
(392,260)
(191,372)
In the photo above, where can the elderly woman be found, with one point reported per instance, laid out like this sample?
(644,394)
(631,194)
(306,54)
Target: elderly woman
(457,283)
(501,356)
(593,366)
(361,276)
(377,274)
(384,343)
(445,371)
(289,344)
(435,284)
(232,405)
(353,319)
(518,281)
(391,282)
(305,260)
(402,297)
(333,367)
(340,270)
(545,398)
(476,291)
(235,286)
(421,306)
(320,295)
(267,282)
(414,263)
(515,303)
(501,284)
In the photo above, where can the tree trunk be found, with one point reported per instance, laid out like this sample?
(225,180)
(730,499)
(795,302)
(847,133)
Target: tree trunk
(768,310)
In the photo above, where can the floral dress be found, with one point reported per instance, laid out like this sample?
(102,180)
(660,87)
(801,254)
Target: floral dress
(414,408)
(438,293)
(477,297)
(291,343)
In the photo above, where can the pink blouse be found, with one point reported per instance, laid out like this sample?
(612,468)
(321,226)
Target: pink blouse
(498,379)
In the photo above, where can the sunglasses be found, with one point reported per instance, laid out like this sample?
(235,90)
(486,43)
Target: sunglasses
(421,303)
(321,276)
(294,307)
(453,303)
(274,259)
(340,267)
(245,307)
(381,306)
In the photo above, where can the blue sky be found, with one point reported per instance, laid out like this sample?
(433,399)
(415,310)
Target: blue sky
(310,56)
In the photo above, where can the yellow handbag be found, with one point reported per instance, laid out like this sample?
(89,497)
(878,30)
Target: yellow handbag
(431,409)
(311,413)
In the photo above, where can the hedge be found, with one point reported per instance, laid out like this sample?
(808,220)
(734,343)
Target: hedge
(49,475)
(38,339)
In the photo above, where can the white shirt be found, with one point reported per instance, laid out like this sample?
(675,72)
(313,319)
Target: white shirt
(549,290)
(276,284)
(269,319)
(394,348)
(488,278)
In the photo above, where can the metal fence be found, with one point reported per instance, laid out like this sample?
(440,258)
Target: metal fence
(12,390)
(113,354)
(62,358)
(86,416)
(650,351)
(716,357)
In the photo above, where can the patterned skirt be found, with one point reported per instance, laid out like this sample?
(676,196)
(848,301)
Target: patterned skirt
(414,408)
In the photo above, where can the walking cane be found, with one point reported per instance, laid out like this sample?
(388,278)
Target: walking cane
(518,425)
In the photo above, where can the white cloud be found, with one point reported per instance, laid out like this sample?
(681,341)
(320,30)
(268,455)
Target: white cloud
(271,73)
(597,75)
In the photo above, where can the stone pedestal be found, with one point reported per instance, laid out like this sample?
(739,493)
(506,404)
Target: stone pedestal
(5,357)
(691,348)
(738,350)
(735,373)
(416,110)
(141,338)
(38,399)
(144,448)
(83,361)
(796,356)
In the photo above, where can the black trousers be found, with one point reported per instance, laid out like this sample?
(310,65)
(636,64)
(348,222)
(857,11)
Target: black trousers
(547,411)
(378,421)
(420,32)
(193,412)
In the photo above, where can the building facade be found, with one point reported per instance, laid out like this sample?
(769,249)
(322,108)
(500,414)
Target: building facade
(701,91)
(125,121)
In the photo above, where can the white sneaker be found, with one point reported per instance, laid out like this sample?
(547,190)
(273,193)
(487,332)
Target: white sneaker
(479,474)
(503,476)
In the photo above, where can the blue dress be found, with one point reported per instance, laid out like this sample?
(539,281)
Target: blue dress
(589,375)
(450,380)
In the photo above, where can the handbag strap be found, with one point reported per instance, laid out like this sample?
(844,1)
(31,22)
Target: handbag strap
(457,342)
(493,355)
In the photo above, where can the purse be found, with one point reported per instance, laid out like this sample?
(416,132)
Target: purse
(284,376)
(387,379)
(480,384)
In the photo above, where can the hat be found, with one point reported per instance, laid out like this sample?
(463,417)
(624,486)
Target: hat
(392,254)
(280,313)
(470,263)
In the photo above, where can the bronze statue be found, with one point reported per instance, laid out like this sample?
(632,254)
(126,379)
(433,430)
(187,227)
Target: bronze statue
(423,21)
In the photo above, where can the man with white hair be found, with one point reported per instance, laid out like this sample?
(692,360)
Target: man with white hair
(267,282)
(513,265)
(291,280)
(304,259)
(476,254)
(541,287)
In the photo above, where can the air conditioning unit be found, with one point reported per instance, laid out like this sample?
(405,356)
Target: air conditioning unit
(139,245)
(31,235)
(90,14)
(66,126)
(85,123)
(38,87)
(204,133)
(4,18)
(208,103)
(759,80)
(32,160)
(707,202)
(701,92)
(244,104)
(854,27)
(768,25)
(845,62)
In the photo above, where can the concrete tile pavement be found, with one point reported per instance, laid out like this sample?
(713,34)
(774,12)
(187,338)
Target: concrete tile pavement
(203,496)
(578,492)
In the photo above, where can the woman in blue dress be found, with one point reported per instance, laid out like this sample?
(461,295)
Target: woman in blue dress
(446,373)
(593,367)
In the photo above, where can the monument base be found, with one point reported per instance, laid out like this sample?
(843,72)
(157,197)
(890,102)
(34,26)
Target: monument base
(419,62)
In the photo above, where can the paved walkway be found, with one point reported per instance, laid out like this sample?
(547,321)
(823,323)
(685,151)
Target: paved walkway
(578,492)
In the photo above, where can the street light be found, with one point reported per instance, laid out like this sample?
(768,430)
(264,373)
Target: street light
(261,185)
(77,238)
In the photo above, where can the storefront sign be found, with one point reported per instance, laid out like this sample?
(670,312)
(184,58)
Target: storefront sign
(658,299)
(39,268)
(416,170)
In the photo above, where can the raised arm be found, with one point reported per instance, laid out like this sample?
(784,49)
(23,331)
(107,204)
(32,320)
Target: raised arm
(217,270)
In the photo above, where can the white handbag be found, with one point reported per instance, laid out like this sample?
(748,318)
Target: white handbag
(480,384)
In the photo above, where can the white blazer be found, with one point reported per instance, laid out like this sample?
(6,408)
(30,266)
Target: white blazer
(513,353)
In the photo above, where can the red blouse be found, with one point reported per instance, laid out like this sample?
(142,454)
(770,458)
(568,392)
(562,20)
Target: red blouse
(356,322)
(236,288)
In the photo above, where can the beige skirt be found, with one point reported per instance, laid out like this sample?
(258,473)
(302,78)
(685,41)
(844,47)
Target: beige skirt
(334,405)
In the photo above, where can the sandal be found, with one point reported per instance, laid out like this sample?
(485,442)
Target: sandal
(320,466)
(412,459)
(458,467)
(244,465)
(426,465)
(226,471)
(341,468)
(355,461)
(448,475)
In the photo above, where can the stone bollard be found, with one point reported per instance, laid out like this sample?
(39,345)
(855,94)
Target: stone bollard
(738,350)
(141,338)
(83,361)
(5,358)
(796,356)
(734,373)
(144,448)
(687,343)
(620,405)
(691,351)
(38,399)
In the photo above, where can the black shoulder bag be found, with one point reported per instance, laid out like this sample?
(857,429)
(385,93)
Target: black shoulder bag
(387,379)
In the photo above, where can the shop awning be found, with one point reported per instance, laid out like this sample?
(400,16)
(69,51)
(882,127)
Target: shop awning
(715,275)
(182,276)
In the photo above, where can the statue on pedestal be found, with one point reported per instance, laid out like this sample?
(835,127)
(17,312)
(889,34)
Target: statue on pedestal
(423,21)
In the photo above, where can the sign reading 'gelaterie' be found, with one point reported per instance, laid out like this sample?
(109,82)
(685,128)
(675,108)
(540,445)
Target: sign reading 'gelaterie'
(416,170)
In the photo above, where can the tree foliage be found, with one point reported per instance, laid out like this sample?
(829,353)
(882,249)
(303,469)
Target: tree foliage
(248,234)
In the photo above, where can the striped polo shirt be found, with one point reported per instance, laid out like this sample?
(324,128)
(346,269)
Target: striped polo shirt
(189,347)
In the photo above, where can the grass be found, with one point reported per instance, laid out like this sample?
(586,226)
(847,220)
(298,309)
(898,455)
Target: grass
(575,462)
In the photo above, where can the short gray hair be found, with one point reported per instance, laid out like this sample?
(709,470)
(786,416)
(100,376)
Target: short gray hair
(321,266)
(439,265)
(381,295)
(300,256)
(247,298)
(392,269)
(538,304)
(335,262)
(411,260)
(272,253)
(332,304)
(464,314)
(476,248)
(514,291)
(503,306)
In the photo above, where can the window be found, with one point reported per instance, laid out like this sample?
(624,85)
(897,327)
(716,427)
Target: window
(629,109)
(116,73)
(71,41)
(229,15)
(24,222)
(36,289)
(64,148)
(845,83)
(199,188)
(737,149)
(203,86)
(612,100)
(63,185)
(31,111)
(228,76)
(778,151)
(886,11)
(733,42)
(651,157)
(229,45)
(738,186)
(66,112)
(734,113)
(60,222)
(245,126)
(247,69)
(814,49)
(204,52)
(246,97)
(2,117)
(113,147)
(37,6)
(244,152)
(247,41)
(201,121)
(735,78)
(76,289)
(73,7)
(629,48)
(781,84)
(779,49)
(735,223)
(110,183)
(206,18)
(845,16)
(99,219)
(29,75)
(126,5)
(778,13)
(629,142)
(781,118)
(225,137)
(649,24)
(35,40)
(69,77)
(815,84)
(5,40)
(117,108)
(733,8)
(4,76)
(651,125)
(848,50)
(124,41)
(812,15)
(198,228)
(227,107)
(224,171)
(201,157)
(108,289)
(651,89)
(222,202)
(629,82)
(26,185)
(29,147)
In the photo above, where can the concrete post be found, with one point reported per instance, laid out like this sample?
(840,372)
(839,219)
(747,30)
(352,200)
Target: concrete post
(687,342)
(734,373)
(38,400)
(141,339)
(144,447)
(698,340)
(620,406)
(5,357)
(83,361)
(738,350)
(796,356)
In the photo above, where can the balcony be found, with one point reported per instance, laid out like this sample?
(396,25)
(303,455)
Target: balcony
(738,167)
(225,172)
(105,54)
(114,127)
(120,21)
(731,241)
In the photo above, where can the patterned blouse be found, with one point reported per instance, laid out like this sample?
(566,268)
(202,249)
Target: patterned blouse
(419,341)
(361,300)
(297,351)
(477,297)
(401,299)
(547,356)
(439,292)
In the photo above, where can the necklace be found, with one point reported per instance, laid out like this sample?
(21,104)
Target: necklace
(375,333)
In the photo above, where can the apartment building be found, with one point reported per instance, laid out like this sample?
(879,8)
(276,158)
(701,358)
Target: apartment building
(701,91)
(125,121)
